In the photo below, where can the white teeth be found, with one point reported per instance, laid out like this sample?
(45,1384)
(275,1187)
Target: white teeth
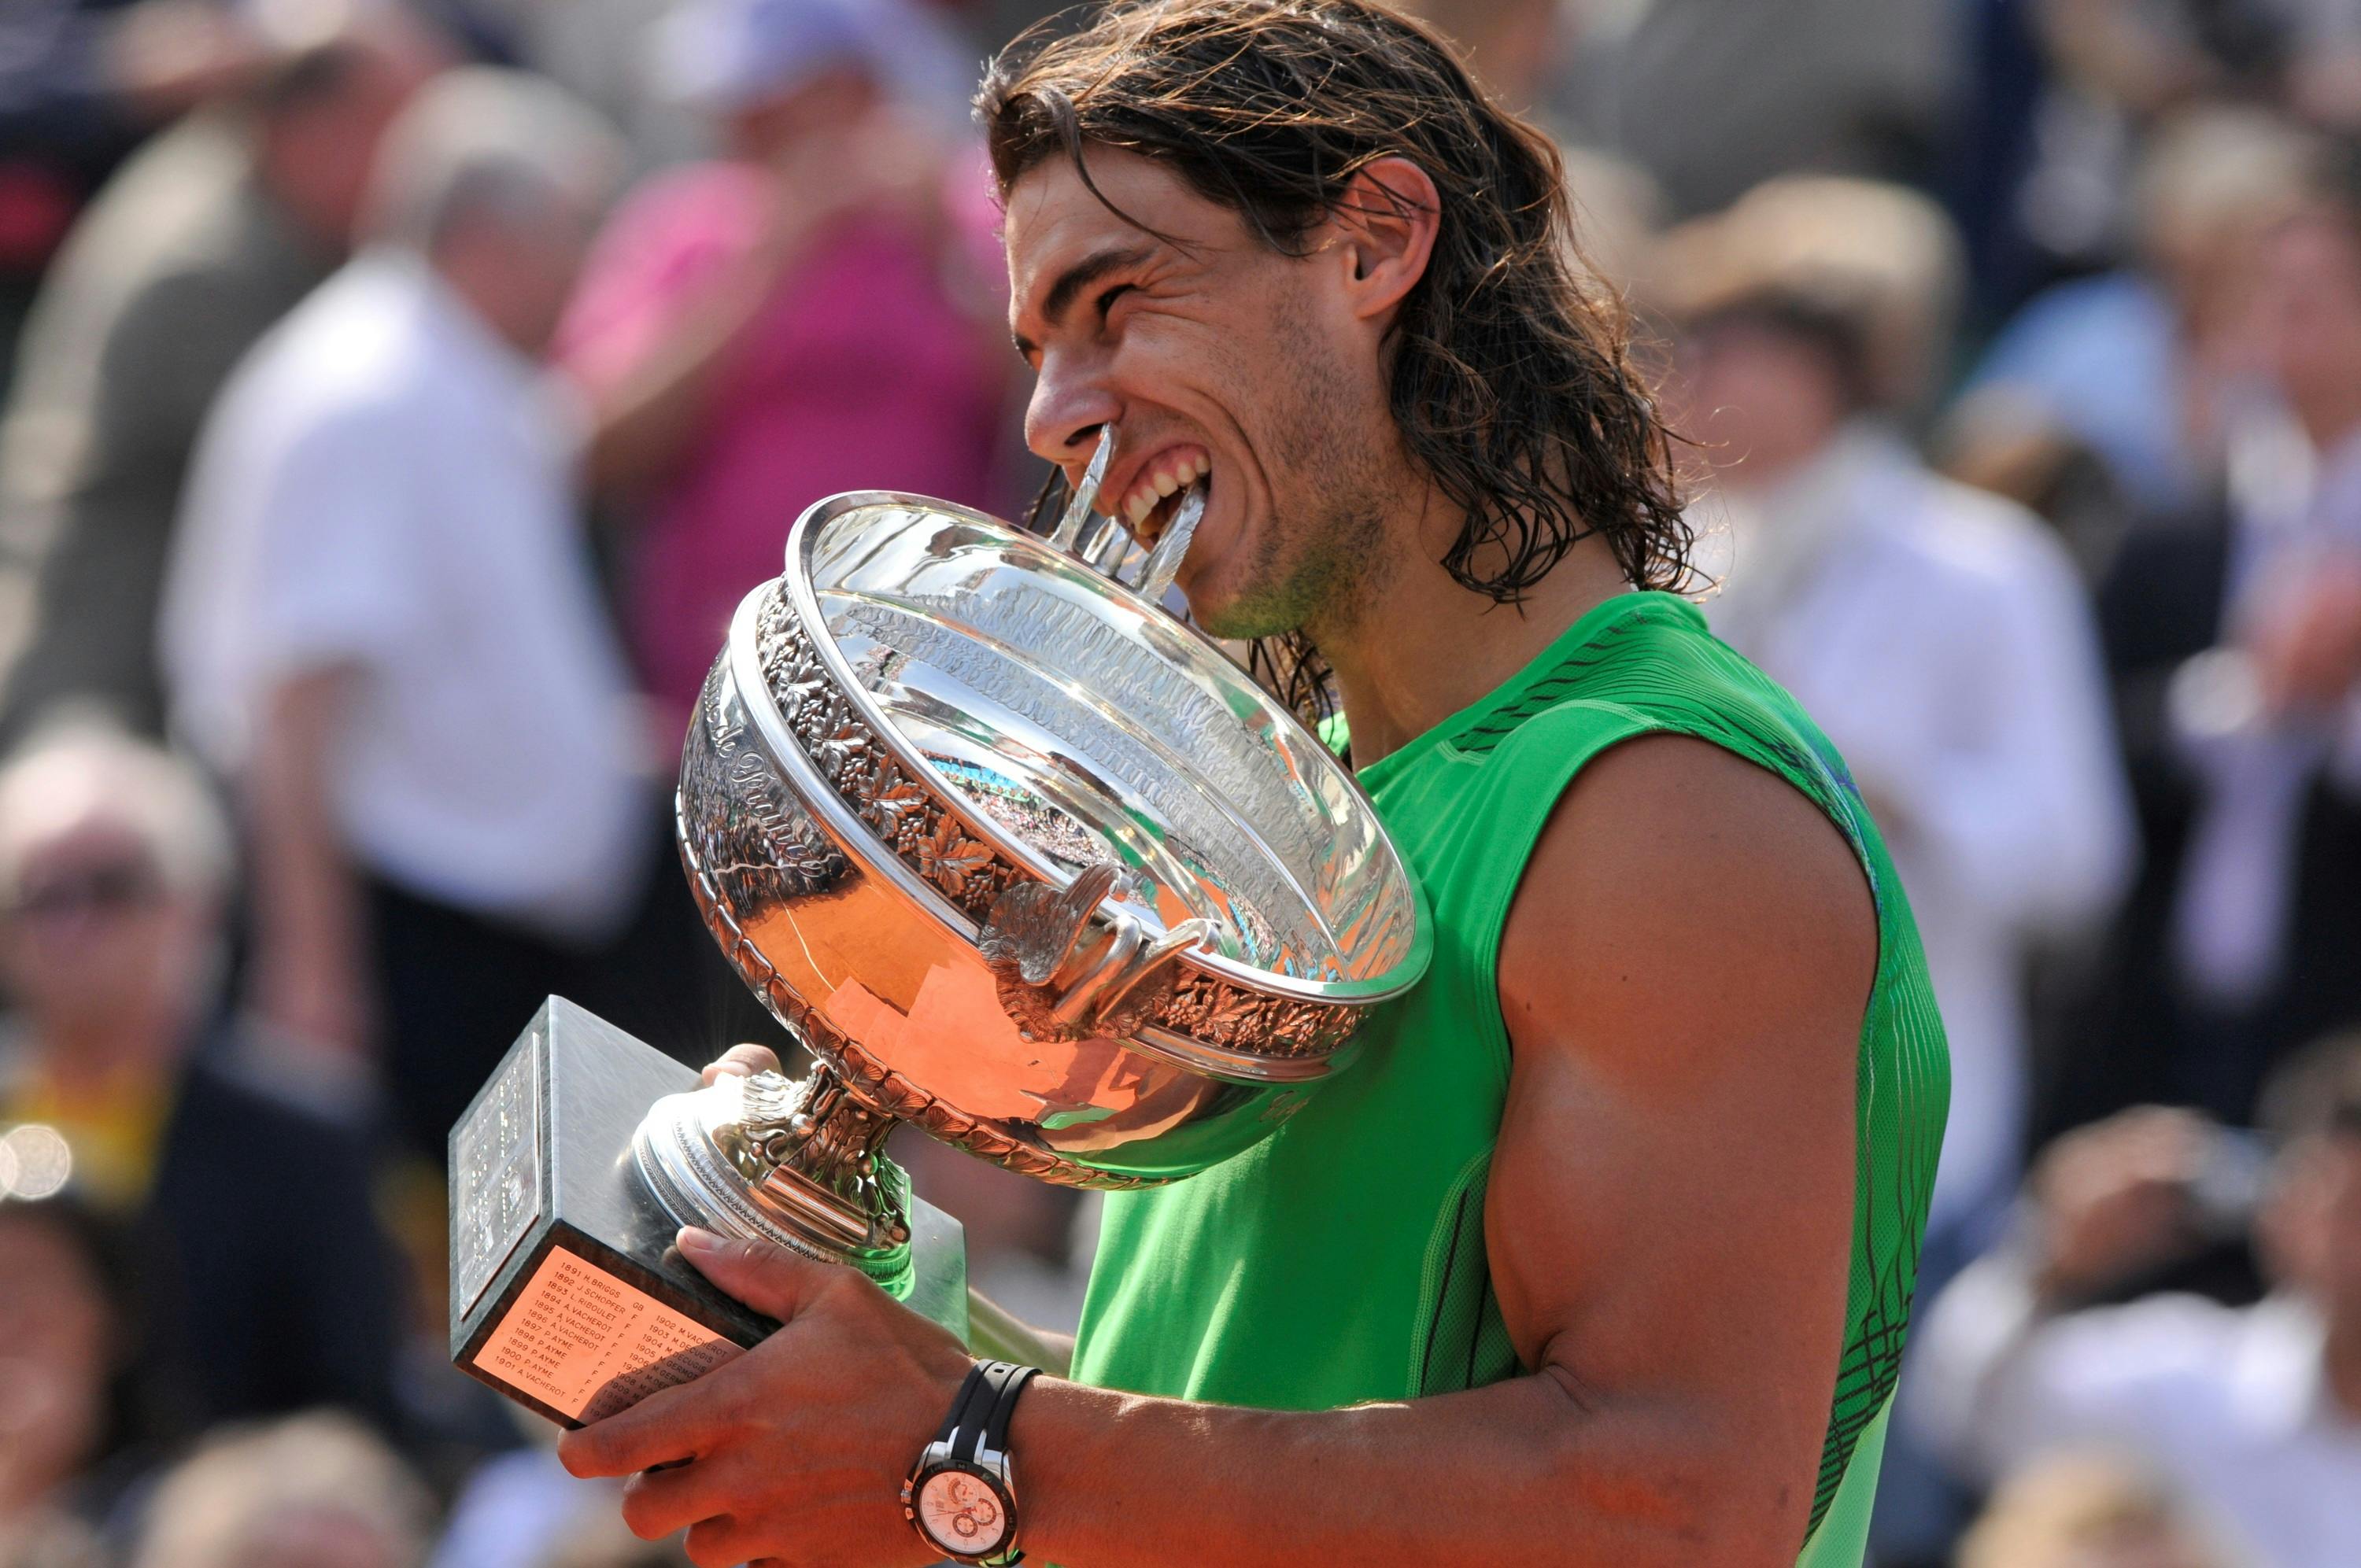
(1153,488)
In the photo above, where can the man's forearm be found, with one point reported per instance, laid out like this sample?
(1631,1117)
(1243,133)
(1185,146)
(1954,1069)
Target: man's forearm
(309,920)
(1527,1471)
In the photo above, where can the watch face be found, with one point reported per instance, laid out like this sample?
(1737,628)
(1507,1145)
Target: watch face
(962,1513)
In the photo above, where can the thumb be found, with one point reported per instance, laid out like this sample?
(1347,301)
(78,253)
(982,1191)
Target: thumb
(765,1275)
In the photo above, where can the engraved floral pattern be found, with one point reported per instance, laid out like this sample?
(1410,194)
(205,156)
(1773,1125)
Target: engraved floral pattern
(949,858)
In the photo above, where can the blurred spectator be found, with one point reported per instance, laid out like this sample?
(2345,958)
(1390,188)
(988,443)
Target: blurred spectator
(316,1491)
(2089,1510)
(262,1280)
(60,1335)
(1713,98)
(522,1510)
(2144,56)
(2237,643)
(2254,1413)
(384,627)
(203,240)
(1618,211)
(63,126)
(516,1507)
(801,318)
(1939,636)
(2117,69)
(2133,364)
(1515,47)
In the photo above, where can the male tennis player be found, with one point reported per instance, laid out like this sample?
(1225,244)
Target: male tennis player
(1605,1252)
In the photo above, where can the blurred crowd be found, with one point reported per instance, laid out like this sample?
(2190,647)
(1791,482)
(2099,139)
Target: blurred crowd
(399,399)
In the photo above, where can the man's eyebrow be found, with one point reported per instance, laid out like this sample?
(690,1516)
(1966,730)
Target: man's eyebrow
(1079,277)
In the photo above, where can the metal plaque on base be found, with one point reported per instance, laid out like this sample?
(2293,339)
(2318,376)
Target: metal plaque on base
(566,1292)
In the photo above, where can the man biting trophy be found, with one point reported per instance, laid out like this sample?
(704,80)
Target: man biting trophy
(1603,1250)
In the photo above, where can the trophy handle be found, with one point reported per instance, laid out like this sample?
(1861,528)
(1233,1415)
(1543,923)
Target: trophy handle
(1056,986)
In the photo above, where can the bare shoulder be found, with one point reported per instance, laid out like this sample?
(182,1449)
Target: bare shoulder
(1678,882)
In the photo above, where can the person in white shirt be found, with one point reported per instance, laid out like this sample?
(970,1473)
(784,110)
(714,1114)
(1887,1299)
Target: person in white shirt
(2254,1413)
(382,624)
(1939,635)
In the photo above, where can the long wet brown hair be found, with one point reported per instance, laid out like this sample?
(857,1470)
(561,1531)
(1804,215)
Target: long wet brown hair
(1511,369)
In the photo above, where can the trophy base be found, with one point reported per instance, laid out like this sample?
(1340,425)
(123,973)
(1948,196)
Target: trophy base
(567,1294)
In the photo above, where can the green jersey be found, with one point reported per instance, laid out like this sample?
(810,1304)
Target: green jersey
(1341,1259)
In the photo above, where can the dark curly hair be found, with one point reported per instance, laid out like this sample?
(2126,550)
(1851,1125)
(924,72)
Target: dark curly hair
(1512,374)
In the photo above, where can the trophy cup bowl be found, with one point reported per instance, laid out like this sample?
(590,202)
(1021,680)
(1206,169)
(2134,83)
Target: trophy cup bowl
(1022,860)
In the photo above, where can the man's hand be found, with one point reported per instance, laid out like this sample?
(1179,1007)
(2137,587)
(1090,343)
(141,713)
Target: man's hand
(795,1451)
(741,1062)
(2113,1199)
(2306,635)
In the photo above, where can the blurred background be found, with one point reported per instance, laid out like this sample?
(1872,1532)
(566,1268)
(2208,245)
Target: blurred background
(395,400)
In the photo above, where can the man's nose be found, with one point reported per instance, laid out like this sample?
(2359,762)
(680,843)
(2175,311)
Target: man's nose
(1070,405)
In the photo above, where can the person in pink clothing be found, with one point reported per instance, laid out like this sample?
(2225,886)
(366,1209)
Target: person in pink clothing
(813,312)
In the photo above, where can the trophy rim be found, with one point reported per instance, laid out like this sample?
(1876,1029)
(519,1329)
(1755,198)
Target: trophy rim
(1356,994)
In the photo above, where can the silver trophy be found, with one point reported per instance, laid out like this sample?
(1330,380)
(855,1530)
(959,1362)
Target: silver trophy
(1020,858)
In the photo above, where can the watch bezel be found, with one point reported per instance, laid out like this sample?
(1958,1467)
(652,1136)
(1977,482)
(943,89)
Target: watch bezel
(988,1467)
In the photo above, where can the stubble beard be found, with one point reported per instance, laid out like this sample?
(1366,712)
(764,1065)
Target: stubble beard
(1317,571)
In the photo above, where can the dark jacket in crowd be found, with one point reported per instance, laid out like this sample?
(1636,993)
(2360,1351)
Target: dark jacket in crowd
(2137,1034)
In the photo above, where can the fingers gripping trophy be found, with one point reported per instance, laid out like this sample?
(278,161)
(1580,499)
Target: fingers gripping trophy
(1018,857)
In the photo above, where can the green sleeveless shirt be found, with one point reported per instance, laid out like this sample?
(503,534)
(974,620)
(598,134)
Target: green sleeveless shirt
(1341,1259)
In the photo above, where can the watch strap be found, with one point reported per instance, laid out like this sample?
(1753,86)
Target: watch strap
(996,1425)
(1001,1381)
(956,1415)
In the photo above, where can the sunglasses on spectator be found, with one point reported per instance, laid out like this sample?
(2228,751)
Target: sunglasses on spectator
(97,890)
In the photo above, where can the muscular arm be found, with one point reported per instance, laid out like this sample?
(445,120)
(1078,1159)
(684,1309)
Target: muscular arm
(1683,976)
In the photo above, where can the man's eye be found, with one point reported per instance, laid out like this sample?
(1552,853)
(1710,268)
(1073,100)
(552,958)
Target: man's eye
(1108,299)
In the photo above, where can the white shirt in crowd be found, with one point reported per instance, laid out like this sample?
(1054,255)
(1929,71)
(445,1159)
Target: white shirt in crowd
(386,486)
(2230,1403)
(1942,640)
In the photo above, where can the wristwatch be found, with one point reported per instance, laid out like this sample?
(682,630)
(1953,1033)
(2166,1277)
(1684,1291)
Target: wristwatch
(962,1495)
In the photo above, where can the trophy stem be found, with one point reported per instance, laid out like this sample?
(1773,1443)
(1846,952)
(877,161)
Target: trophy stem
(797,1161)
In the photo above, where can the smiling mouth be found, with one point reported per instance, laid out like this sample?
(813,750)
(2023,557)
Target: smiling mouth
(1155,497)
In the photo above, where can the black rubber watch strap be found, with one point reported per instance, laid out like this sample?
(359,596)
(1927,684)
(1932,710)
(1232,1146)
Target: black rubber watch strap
(958,1414)
(995,1427)
(972,1419)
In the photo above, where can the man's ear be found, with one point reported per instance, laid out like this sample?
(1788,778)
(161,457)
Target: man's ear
(1384,234)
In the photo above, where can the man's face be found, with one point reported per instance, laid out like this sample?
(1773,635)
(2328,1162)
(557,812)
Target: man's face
(1760,400)
(2309,305)
(1217,360)
(93,933)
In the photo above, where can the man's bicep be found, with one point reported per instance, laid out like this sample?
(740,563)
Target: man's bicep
(1682,975)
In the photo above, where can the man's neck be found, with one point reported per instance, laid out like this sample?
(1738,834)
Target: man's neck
(1420,647)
